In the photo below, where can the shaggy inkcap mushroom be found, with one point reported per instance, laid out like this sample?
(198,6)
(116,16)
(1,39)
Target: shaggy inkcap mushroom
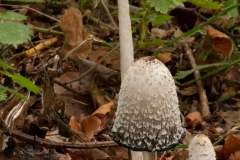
(201,148)
(148,117)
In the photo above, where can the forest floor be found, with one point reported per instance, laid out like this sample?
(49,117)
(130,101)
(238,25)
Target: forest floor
(77,69)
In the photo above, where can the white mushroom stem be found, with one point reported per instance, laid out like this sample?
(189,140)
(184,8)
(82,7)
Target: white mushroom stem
(149,155)
(125,33)
(126,48)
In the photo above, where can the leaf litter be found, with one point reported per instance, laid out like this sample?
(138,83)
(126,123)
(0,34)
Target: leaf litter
(80,112)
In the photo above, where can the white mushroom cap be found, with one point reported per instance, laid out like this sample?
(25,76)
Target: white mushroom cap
(201,148)
(148,117)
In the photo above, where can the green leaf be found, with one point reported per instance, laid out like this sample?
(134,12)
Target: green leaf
(136,18)
(7,73)
(206,4)
(12,16)
(235,56)
(226,97)
(181,146)
(183,74)
(5,65)
(212,72)
(3,95)
(161,19)
(230,3)
(204,55)
(164,5)
(24,82)
(14,33)
(12,92)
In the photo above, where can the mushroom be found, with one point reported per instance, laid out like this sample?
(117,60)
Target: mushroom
(147,116)
(201,148)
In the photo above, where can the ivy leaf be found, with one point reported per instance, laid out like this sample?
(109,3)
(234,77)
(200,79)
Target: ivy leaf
(12,16)
(14,33)
(164,5)
(24,82)
(206,4)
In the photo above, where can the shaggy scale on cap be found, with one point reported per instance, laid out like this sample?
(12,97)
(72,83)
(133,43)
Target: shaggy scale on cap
(148,117)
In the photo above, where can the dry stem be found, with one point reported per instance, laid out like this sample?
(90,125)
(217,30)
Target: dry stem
(201,91)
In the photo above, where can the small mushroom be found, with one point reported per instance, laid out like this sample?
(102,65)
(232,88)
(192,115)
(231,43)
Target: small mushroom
(148,117)
(201,148)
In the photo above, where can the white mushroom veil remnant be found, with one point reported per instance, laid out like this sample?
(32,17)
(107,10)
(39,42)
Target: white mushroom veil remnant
(148,117)
(201,148)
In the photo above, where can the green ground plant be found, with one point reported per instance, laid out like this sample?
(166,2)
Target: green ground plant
(22,81)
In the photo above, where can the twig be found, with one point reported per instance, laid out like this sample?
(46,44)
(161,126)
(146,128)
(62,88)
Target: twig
(90,38)
(101,23)
(52,18)
(67,87)
(50,144)
(109,15)
(201,91)
(49,31)
(92,68)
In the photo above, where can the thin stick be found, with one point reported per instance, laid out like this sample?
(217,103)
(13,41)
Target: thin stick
(50,144)
(101,23)
(56,80)
(90,38)
(109,15)
(52,18)
(92,68)
(201,91)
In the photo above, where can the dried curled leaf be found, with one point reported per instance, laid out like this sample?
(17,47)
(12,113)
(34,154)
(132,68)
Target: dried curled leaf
(193,119)
(221,43)
(75,34)
(90,126)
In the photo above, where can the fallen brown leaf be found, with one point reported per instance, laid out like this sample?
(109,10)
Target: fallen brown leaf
(230,146)
(164,57)
(221,43)
(90,126)
(193,119)
(75,126)
(75,34)
(101,111)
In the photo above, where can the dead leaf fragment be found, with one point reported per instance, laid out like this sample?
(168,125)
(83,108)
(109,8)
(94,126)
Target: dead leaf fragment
(167,158)
(187,91)
(96,154)
(221,43)
(90,126)
(193,119)
(235,155)
(158,33)
(75,34)
(101,111)
(75,126)
(231,145)
(164,57)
